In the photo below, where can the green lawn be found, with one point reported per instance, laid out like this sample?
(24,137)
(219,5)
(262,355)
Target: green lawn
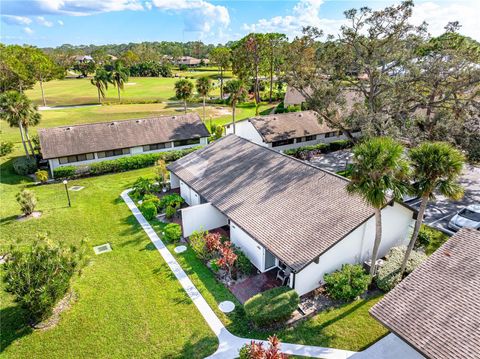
(129,304)
(72,91)
(218,113)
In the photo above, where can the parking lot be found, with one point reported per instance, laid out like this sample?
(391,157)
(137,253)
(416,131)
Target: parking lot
(439,211)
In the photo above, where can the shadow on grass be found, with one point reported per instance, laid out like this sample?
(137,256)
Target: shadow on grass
(14,326)
(195,348)
(8,176)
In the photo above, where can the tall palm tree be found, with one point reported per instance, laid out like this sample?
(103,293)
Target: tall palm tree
(237,91)
(19,111)
(436,168)
(183,91)
(119,75)
(379,170)
(100,80)
(203,85)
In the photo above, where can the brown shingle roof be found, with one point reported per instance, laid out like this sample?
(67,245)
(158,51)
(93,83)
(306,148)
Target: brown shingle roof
(297,211)
(436,309)
(289,125)
(72,140)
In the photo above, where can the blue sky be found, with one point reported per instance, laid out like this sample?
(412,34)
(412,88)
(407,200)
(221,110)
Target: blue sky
(55,22)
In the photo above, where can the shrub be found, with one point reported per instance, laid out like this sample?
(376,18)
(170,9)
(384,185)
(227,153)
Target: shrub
(39,277)
(304,151)
(24,166)
(272,306)
(388,276)
(243,263)
(214,265)
(64,172)
(212,242)
(423,239)
(170,212)
(6,147)
(198,244)
(340,145)
(347,283)
(256,350)
(152,198)
(174,200)
(172,232)
(42,176)
(27,201)
(142,186)
(148,210)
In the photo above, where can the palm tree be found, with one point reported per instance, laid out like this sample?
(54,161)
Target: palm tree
(436,168)
(237,91)
(19,111)
(100,80)
(119,75)
(203,85)
(183,91)
(379,170)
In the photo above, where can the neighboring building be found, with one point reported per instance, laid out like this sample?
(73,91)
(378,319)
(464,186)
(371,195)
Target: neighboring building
(85,144)
(293,97)
(281,211)
(83,58)
(191,61)
(436,309)
(286,130)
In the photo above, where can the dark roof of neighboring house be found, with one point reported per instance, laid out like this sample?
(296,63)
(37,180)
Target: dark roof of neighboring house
(436,309)
(295,210)
(289,125)
(72,140)
(294,97)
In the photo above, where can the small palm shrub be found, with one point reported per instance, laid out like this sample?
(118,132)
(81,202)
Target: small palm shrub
(172,232)
(243,264)
(174,200)
(42,176)
(24,166)
(148,210)
(272,306)
(347,283)
(388,276)
(143,186)
(40,276)
(153,199)
(6,147)
(197,243)
(65,172)
(27,201)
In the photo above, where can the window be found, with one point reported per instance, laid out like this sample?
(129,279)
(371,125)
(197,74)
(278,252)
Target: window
(76,158)
(113,153)
(333,134)
(300,139)
(156,146)
(282,142)
(311,138)
(192,141)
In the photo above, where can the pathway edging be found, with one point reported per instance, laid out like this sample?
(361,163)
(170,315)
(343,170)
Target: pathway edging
(228,344)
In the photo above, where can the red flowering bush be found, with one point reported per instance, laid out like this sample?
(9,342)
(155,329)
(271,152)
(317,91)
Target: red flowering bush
(212,242)
(257,351)
(227,257)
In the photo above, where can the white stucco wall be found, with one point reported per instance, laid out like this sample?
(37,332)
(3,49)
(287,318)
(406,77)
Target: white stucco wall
(54,162)
(201,217)
(249,246)
(174,181)
(357,246)
(245,130)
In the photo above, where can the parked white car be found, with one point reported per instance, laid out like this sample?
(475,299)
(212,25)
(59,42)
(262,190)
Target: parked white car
(469,217)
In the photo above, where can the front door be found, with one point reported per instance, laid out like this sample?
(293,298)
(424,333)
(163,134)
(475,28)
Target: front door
(269,260)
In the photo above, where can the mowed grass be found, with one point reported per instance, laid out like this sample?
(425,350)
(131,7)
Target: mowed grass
(72,116)
(73,91)
(129,303)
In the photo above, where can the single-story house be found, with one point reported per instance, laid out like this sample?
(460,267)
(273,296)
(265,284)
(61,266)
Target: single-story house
(282,212)
(286,130)
(191,61)
(84,144)
(436,309)
(293,97)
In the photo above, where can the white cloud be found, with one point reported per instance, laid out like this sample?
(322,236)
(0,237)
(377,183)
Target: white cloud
(28,30)
(16,20)
(60,22)
(68,7)
(437,15)
(148,5)
(304,13)
(199,15)
(42,21)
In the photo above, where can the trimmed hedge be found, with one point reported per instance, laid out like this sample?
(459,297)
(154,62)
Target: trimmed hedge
(340,145)
(302,152)
(347,283)
(64,172)
(272,306)
(122,164)
(172,232)
(148,210)
(388,276)
(24,166)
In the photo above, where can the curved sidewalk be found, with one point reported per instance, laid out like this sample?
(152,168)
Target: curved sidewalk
(228,344)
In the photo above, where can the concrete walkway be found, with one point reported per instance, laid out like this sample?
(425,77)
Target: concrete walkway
(228,344)
(48,108)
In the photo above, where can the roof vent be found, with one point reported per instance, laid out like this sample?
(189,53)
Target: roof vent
(138,121)
(113,124)
(300,115)
(68,128)
(174,117)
